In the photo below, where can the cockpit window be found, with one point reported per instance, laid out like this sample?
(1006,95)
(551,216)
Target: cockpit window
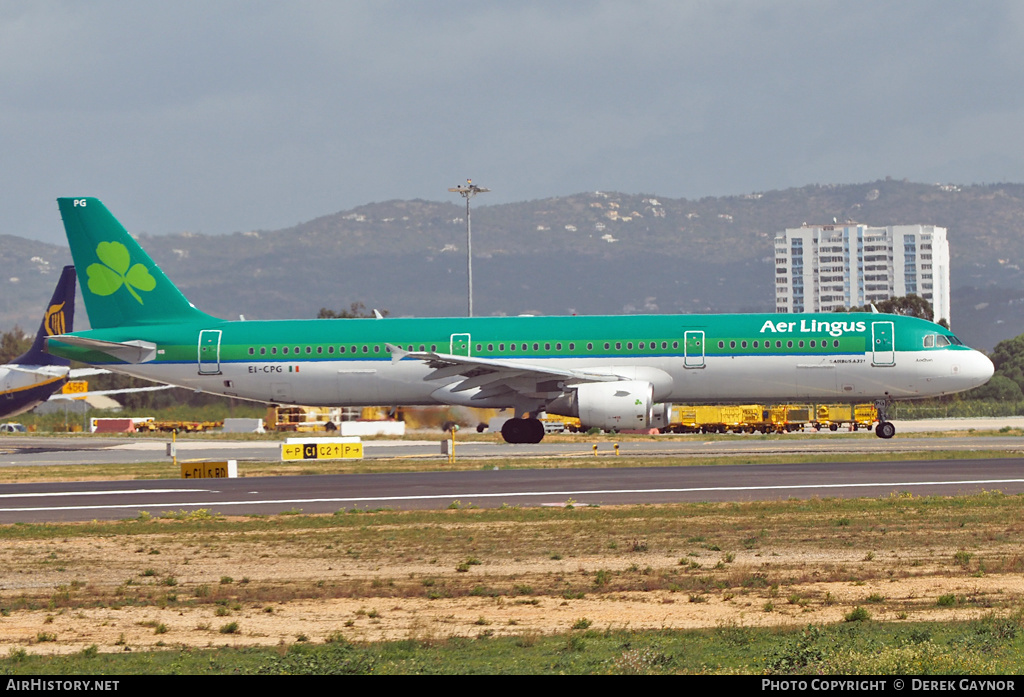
(942,340)
(929,341)
(955,341)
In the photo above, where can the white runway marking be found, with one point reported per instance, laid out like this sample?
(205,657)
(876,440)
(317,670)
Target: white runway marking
(99,493)
(508,495)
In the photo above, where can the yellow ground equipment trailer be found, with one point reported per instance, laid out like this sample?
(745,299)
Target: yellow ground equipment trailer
(745,418)
(779,418)
(855,416)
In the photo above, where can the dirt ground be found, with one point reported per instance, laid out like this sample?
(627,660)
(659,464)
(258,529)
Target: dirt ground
(120,594)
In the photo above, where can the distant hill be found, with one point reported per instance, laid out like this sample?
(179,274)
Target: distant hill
(599,252)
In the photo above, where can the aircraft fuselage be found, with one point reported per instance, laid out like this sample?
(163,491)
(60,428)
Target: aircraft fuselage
(695,358)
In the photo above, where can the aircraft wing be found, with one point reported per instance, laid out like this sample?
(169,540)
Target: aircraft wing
(82,395)
(496,377)
(76,373)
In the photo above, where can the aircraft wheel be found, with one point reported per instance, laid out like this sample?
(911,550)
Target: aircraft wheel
(523,431)
(535,430)
(512,431)
(885,430)
(833,427)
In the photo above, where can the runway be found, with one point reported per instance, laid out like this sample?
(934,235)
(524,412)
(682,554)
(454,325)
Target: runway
(64,501)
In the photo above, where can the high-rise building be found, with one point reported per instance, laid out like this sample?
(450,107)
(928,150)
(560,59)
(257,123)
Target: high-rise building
(819,268)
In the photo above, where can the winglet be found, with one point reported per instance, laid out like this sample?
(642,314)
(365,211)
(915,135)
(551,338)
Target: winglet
(397,353)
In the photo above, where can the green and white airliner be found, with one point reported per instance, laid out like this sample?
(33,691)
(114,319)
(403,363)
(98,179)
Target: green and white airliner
(613,372)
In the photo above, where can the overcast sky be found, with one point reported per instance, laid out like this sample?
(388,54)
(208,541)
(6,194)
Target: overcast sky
(219,116)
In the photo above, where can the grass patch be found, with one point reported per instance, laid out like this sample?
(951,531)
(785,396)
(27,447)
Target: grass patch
(989,646)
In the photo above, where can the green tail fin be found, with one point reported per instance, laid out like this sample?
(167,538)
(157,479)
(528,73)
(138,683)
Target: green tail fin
(120,284)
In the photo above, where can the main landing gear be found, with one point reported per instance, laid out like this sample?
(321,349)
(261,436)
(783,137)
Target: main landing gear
(523,431)
(884,429)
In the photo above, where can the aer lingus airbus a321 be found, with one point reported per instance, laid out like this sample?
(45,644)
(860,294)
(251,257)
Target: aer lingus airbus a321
(613,372)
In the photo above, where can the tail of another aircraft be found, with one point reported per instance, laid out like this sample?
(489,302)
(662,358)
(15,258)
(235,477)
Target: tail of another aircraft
(58,319)
(121,285)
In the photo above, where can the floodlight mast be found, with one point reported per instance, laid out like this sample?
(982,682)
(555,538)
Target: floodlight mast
(468,191)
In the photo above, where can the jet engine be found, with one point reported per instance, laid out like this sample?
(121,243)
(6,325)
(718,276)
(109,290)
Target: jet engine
(615,405)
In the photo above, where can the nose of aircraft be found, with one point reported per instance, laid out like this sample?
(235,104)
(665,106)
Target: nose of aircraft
(978,369)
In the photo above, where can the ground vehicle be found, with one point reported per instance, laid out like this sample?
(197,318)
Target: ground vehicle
(835,416)
(779,418)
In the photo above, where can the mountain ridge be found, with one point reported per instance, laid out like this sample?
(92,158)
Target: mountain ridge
(589,253)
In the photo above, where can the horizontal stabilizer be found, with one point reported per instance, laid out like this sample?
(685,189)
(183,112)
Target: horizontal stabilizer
(44,372)
(136,351)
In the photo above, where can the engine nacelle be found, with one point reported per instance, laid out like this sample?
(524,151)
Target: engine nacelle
(661,415)
(615,405)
